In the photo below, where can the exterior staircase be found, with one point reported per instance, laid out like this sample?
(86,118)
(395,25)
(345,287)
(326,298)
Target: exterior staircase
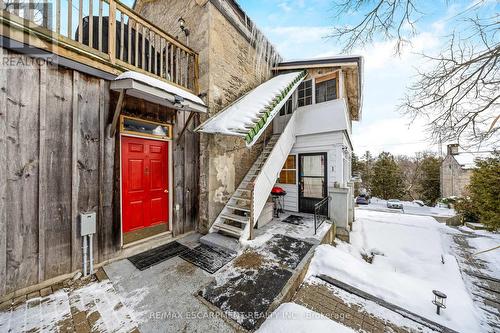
(243,209)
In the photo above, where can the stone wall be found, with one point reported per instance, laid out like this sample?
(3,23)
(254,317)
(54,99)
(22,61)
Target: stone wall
(454,179)
(229,67)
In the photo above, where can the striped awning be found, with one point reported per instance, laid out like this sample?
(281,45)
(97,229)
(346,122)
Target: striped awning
(250,115)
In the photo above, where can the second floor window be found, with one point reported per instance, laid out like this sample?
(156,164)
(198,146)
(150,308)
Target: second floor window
(326,90)
(305,93)
(287,108)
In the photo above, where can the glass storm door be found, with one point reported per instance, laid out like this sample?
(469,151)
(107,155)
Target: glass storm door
(312,181)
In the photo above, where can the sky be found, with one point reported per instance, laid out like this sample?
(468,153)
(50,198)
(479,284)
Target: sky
(299,29)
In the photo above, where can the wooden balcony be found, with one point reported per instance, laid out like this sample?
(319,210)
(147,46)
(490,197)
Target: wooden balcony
(104,34)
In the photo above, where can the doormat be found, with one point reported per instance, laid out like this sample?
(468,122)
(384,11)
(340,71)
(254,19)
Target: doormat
(208,258)
(287,251)
(157,255)
(294,219)
(246,297)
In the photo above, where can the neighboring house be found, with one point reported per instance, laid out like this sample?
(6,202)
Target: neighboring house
(456,170)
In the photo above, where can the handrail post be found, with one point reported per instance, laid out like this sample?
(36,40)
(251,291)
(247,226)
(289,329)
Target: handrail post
(250,235)
(112,31)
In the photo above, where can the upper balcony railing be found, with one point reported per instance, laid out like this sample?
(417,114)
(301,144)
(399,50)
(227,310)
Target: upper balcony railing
(107,31)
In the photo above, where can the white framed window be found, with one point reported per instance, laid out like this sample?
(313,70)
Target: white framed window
(305,95)
(288,174)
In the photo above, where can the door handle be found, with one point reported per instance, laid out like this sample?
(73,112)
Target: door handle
(166,191)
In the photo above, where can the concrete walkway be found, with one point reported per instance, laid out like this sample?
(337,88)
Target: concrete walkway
(163,296)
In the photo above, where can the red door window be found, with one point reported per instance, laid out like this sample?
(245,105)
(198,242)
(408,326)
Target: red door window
(144,183)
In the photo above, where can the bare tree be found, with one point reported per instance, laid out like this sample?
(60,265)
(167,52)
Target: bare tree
(459,93)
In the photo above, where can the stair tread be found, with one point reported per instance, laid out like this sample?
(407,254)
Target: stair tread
(241,198)
(236,218)
(226,227)
(244,209)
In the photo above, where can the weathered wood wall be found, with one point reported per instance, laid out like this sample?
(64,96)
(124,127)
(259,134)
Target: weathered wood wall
(57,161)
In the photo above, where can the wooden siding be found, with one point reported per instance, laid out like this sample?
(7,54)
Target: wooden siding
(57,161)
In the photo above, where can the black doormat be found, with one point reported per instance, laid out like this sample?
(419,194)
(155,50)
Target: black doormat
(294,219)
(208,258)
(246,297)
(288,251)
(157,255)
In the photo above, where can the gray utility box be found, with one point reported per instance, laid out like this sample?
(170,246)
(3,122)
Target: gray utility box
(88,223)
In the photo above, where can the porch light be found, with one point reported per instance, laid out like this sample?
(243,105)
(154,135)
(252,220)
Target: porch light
(182,25)
(179,100)
(439,300)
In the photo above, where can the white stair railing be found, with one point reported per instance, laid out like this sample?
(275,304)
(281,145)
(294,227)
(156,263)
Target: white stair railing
(269,173)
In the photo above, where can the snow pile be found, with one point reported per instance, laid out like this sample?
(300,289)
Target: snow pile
(407,268)
(291,318)
(241,116)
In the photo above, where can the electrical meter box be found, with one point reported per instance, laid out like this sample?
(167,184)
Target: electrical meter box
(88,223)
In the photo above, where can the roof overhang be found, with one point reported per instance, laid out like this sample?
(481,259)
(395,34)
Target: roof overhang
(157,91)
(331,62)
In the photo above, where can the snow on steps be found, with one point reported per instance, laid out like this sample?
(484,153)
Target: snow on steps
(236,218)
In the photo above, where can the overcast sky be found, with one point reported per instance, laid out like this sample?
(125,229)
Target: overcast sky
(298,29)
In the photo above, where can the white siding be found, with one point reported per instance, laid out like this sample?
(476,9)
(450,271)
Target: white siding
(338,163)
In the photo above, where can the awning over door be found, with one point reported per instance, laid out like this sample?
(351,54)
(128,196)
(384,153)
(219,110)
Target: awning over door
(157,91)
(250,115)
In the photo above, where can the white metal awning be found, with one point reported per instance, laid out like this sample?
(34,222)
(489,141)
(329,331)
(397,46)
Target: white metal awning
(250,115)
(157,91)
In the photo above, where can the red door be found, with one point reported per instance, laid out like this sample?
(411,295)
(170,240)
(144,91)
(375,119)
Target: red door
(144,183)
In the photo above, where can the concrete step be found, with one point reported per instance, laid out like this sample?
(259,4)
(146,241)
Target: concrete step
(215,239)
(235,218)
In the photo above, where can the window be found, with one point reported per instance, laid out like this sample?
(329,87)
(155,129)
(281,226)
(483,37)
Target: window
(326,90)
(288,174)
(305,93)
(287,108)
(130,125)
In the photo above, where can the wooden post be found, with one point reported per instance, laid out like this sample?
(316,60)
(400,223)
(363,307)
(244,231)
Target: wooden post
(80,21)
(191,115)
(42,173)
(116,115)
(122,35)
(70,18)
(3,178)
(112,31)
(99,27)
(91,23)
(75,142)
(58,16)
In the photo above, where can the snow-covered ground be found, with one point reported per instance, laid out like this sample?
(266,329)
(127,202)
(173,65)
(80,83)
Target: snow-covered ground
(409,208)
(408,264)
(291,317)
(485,245)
